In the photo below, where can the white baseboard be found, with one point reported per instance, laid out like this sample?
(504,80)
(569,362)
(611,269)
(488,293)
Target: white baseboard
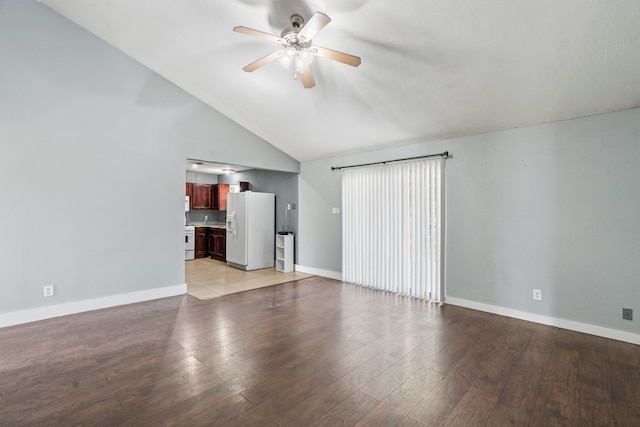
(47,312)
(337,275)
(545,320)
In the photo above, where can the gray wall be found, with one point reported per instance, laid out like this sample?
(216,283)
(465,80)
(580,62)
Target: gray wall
(320,231)
(214,137)
(92,163)
(553,207)
(201,178)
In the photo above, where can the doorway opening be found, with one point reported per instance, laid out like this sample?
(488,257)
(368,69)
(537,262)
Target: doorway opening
(208,275)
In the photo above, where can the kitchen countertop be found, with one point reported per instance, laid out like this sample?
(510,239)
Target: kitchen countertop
(199,224)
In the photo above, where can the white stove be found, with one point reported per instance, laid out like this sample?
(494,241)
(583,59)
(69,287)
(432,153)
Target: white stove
(189,242)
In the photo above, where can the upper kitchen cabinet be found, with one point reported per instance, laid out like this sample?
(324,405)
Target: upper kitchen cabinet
(201,198)
(220,192)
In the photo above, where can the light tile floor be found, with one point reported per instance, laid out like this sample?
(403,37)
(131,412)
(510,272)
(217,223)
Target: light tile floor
(208,278)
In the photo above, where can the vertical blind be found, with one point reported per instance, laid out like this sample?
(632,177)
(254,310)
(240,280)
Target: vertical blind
(392,227)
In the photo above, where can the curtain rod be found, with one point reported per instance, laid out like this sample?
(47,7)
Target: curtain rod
(445,154)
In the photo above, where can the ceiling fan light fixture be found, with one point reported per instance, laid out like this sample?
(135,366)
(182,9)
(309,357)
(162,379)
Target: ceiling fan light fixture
(287,57)
(304,58)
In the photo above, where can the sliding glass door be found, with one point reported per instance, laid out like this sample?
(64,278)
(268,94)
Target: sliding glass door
(393,227)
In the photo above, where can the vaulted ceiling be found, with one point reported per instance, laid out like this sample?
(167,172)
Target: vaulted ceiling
(431,69)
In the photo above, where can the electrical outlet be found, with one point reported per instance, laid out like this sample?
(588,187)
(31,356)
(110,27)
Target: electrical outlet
(47,291)
(627,314)
(537,294)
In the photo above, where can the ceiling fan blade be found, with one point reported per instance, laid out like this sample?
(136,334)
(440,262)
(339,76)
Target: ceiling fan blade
(307,78)
(345,58)
(260,34)
(313,26)
(263,61)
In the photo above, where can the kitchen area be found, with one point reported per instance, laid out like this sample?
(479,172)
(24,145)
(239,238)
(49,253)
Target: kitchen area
(215,197)
(205,218)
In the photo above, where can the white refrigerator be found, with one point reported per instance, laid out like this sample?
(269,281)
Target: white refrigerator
(250,230)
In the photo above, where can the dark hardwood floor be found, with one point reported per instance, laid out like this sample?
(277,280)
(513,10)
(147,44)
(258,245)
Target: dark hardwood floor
(312,352)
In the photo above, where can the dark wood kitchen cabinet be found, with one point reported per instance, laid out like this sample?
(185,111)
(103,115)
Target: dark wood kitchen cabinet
(201,196)
(218,243)
(201,242)
(220,192)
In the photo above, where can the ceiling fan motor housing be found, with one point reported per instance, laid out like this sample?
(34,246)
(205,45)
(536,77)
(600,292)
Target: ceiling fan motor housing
(297,21)
(290,35)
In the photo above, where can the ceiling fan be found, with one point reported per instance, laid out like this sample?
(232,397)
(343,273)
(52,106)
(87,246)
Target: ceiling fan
(297,47)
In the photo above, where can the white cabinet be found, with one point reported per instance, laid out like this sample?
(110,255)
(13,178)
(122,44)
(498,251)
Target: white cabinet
(284,252)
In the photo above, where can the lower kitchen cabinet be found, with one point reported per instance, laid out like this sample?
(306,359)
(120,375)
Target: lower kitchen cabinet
(218,243)
(201,242)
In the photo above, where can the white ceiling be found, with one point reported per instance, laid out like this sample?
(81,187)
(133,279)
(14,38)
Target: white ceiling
(431,69)
(212,168)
